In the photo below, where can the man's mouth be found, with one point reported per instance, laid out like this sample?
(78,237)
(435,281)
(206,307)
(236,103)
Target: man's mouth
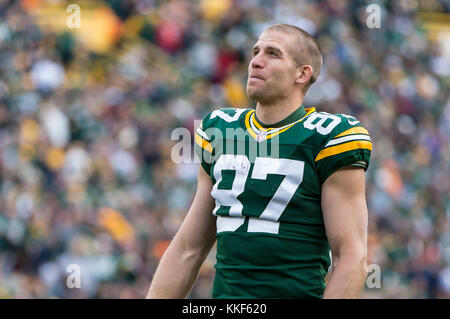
(256,77)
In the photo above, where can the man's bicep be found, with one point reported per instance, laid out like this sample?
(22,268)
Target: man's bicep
(345,211)
(198,230)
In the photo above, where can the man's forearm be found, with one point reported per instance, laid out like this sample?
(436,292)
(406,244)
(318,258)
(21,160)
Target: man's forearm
(175,275)
(347,279)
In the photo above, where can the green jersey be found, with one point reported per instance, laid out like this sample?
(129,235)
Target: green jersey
(271,240)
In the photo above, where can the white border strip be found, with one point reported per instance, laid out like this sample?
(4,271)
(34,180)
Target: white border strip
(348,138)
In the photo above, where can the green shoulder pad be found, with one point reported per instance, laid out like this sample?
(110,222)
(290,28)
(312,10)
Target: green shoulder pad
(212,127)
(346,142)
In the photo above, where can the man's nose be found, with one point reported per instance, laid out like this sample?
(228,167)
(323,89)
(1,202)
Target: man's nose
(257,61)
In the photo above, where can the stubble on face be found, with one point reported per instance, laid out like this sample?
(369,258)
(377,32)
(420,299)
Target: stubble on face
(257,94)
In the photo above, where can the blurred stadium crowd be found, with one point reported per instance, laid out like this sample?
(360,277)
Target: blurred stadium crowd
(86,116)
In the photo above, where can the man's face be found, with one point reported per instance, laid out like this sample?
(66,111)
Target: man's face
(272,70)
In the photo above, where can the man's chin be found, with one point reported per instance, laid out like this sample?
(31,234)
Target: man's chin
(255,95)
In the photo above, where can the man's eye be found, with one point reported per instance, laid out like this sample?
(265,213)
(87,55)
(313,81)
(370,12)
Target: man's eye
(273,53)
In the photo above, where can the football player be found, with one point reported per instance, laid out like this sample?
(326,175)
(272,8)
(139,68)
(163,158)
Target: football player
(281,188)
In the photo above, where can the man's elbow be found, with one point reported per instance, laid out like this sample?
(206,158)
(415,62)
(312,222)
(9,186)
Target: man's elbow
(361,262)
(360,257)
(364,267)
(354,258)
(188,255)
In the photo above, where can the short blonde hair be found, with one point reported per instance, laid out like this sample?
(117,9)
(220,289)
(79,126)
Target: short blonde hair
(305,50)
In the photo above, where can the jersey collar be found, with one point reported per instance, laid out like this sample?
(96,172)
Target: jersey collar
(261,132)
(297,114)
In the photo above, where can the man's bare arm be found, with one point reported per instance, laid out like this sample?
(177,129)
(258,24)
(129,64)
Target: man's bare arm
(345,217)
(178,269)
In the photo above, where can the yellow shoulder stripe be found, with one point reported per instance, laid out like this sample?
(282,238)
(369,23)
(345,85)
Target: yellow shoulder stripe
(353,130)
(203,143)
(341,148)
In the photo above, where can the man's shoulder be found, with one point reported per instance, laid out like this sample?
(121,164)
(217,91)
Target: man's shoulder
(345,141)
(224,116)
(333,125)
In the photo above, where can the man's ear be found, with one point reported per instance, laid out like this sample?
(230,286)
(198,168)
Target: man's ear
(304,74)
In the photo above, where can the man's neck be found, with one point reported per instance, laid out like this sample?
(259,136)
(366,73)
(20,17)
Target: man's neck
(275,112)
